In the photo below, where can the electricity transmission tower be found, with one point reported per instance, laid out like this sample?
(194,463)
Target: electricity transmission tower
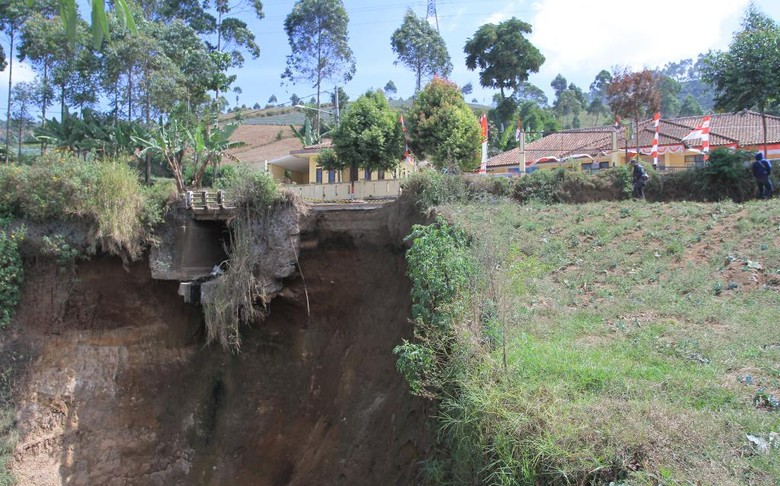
(431,15)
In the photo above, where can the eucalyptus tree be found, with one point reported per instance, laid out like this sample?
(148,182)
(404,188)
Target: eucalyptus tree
(598,94)
(24,96)
(745,76)
(233,34)
(43,44)
(421,48)
(317,31)
(13,15)
(390,89)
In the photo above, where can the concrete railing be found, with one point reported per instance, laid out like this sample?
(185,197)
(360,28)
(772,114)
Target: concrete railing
(385,189)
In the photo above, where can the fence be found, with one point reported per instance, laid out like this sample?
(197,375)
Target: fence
(384,189)
(206,200)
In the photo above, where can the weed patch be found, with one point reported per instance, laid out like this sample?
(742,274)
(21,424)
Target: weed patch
(610,356)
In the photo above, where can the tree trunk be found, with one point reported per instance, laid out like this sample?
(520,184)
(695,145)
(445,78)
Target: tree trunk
(129,95)
(44,100)
(10,77)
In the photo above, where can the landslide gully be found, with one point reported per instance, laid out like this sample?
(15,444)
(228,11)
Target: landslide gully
(117,387)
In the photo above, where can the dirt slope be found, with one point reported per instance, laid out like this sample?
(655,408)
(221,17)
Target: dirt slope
(119,388)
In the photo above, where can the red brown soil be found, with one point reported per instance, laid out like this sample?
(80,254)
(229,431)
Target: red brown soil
(262,142)
(119,388)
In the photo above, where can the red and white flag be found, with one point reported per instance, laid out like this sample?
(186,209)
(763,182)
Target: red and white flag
(701,132)
(656,123)
(484,124)
(406,137)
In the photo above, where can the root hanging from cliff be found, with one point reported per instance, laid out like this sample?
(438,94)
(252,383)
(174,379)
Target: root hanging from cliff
(241,295)
(235,292)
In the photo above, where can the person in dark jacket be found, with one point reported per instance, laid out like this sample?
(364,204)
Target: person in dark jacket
(640,177)
(762,169)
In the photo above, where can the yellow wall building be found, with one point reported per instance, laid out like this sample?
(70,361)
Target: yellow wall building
(609,146)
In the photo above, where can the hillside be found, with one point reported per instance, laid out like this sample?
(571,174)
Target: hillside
(263,142)
(620,343)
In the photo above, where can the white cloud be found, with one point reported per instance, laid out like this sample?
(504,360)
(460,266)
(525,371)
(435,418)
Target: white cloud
(579,38)
(505,13)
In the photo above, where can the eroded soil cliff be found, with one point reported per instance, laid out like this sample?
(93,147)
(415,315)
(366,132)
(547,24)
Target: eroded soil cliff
(117,387)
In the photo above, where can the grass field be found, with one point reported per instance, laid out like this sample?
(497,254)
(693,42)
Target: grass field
(641,345)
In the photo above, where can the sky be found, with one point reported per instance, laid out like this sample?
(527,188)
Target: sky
(578,39)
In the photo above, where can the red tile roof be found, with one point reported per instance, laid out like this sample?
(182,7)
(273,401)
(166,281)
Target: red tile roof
(743,129)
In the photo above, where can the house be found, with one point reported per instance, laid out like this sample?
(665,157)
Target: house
(301,166)
(608,146)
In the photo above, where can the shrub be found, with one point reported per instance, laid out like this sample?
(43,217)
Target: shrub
(104,193)
(571,186)
(726,176)
(431,188)
(11,273)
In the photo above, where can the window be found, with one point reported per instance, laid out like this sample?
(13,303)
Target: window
(331,176)
(367,174)
(318,179)
(587,166)
(380,175)
(604,165)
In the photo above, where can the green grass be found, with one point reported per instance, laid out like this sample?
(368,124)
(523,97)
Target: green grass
(641,347)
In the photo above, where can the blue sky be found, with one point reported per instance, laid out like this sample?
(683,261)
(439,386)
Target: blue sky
(577,37)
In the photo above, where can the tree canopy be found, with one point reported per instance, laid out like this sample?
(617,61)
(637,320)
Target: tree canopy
(634,95)
(369,136)
(317,31)
(746,76)
(443,129)
(503,55)
(421,48)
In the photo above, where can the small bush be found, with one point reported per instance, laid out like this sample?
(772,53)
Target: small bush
(431,188)
(571,186)
(11,273)
(726,176)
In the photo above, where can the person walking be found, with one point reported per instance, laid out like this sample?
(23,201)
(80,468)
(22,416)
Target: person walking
(640,177)
(762,169)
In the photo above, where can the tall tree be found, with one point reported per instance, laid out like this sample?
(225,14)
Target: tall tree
(24,95)
(43,44)
(691,107)
(390,89)
(13,15)
(669,91)
(634,95)
(421,48)
(530,92)
(317,31)
(233,35)
(503,55)
(745,76)
(443,129)
(558,85)
(368,136)
(598,94)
